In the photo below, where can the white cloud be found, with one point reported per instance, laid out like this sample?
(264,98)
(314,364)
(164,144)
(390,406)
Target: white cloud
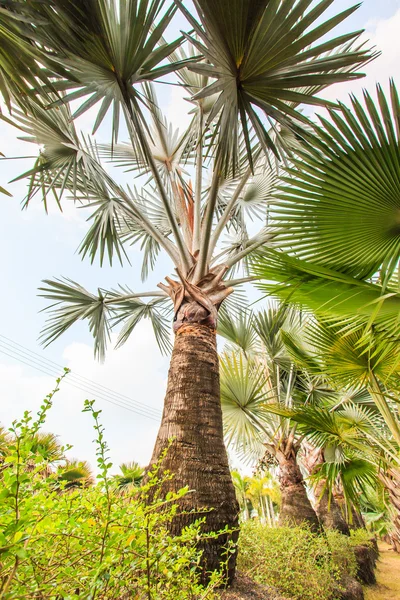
(384,34)
(136,370)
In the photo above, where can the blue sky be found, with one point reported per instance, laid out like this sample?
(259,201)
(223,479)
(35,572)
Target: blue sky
(35,246)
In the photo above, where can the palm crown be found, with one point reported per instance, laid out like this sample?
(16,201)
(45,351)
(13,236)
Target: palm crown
(246,77)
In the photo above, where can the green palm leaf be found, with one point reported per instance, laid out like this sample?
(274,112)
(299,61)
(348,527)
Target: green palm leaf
(243,400)
(340,203)
(76,303)
(100,49)
(331,293)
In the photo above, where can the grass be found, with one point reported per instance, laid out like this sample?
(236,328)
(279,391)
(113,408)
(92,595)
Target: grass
(388,576)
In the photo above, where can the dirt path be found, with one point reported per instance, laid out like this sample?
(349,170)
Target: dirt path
(387,575)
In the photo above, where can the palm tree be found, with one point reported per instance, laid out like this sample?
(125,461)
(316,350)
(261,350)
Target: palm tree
(258,382)
(74,474)
(327,508)
(130,478)
(346,272)
(241,485)
(246,77)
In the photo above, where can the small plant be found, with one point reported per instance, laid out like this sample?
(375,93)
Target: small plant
(295,561)
(90,543)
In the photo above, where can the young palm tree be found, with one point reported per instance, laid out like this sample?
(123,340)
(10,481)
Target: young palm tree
(258,381)
(74,474)
(131,477)
(246,75)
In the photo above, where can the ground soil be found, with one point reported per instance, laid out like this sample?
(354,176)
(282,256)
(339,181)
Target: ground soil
(387,576)
(245,588)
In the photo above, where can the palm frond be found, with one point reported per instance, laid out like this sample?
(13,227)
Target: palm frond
(339,204)
(102,50)
(75,303)
(243,400)
(130,311)
(331,293)
(261,57)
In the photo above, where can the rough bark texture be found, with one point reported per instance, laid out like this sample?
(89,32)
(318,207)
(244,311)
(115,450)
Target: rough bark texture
(295,507)
(197,457)
(329,513)
(391,481)
(366,557)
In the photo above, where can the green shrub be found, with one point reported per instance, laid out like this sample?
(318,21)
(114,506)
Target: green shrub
(361,537)
(300,564)
(91,542)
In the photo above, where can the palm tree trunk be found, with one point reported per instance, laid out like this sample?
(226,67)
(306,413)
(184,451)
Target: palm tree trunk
(197,457)
(391,481)
(296,507)
(328,511)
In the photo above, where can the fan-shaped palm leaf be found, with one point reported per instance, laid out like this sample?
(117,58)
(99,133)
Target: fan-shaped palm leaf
(325,291)
(262,56)
(243,399)
(102,48)
(341,203)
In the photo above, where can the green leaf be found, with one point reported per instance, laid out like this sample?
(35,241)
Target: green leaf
(75,303)
(339,204)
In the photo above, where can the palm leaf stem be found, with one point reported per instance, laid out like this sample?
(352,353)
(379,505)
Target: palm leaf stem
(140,218)
(120,299)
(236,282)
(227,213)
(181,211)
(199,182)
(135,127)
(383,407)
(207,221)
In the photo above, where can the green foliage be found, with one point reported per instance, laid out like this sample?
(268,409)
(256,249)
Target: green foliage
(300,564)
(90,542)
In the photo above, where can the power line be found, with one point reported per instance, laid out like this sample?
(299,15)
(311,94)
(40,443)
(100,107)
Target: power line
(44,365)
(74,375)
(79,379)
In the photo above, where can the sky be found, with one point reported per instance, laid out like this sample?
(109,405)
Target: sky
(35,246)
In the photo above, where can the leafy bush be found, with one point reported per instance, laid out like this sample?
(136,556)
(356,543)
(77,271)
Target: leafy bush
(91,542)
(361,537)
(300,564)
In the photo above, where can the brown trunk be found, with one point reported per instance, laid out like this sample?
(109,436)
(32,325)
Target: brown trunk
(197,457)
(328,511)
(295,507)
(391,481)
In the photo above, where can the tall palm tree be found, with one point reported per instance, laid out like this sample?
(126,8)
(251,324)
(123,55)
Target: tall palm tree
(246,77)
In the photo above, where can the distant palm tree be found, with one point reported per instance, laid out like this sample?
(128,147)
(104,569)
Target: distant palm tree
(74,474)
(130,478)
(241,485)
(257,374)
(246,76)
